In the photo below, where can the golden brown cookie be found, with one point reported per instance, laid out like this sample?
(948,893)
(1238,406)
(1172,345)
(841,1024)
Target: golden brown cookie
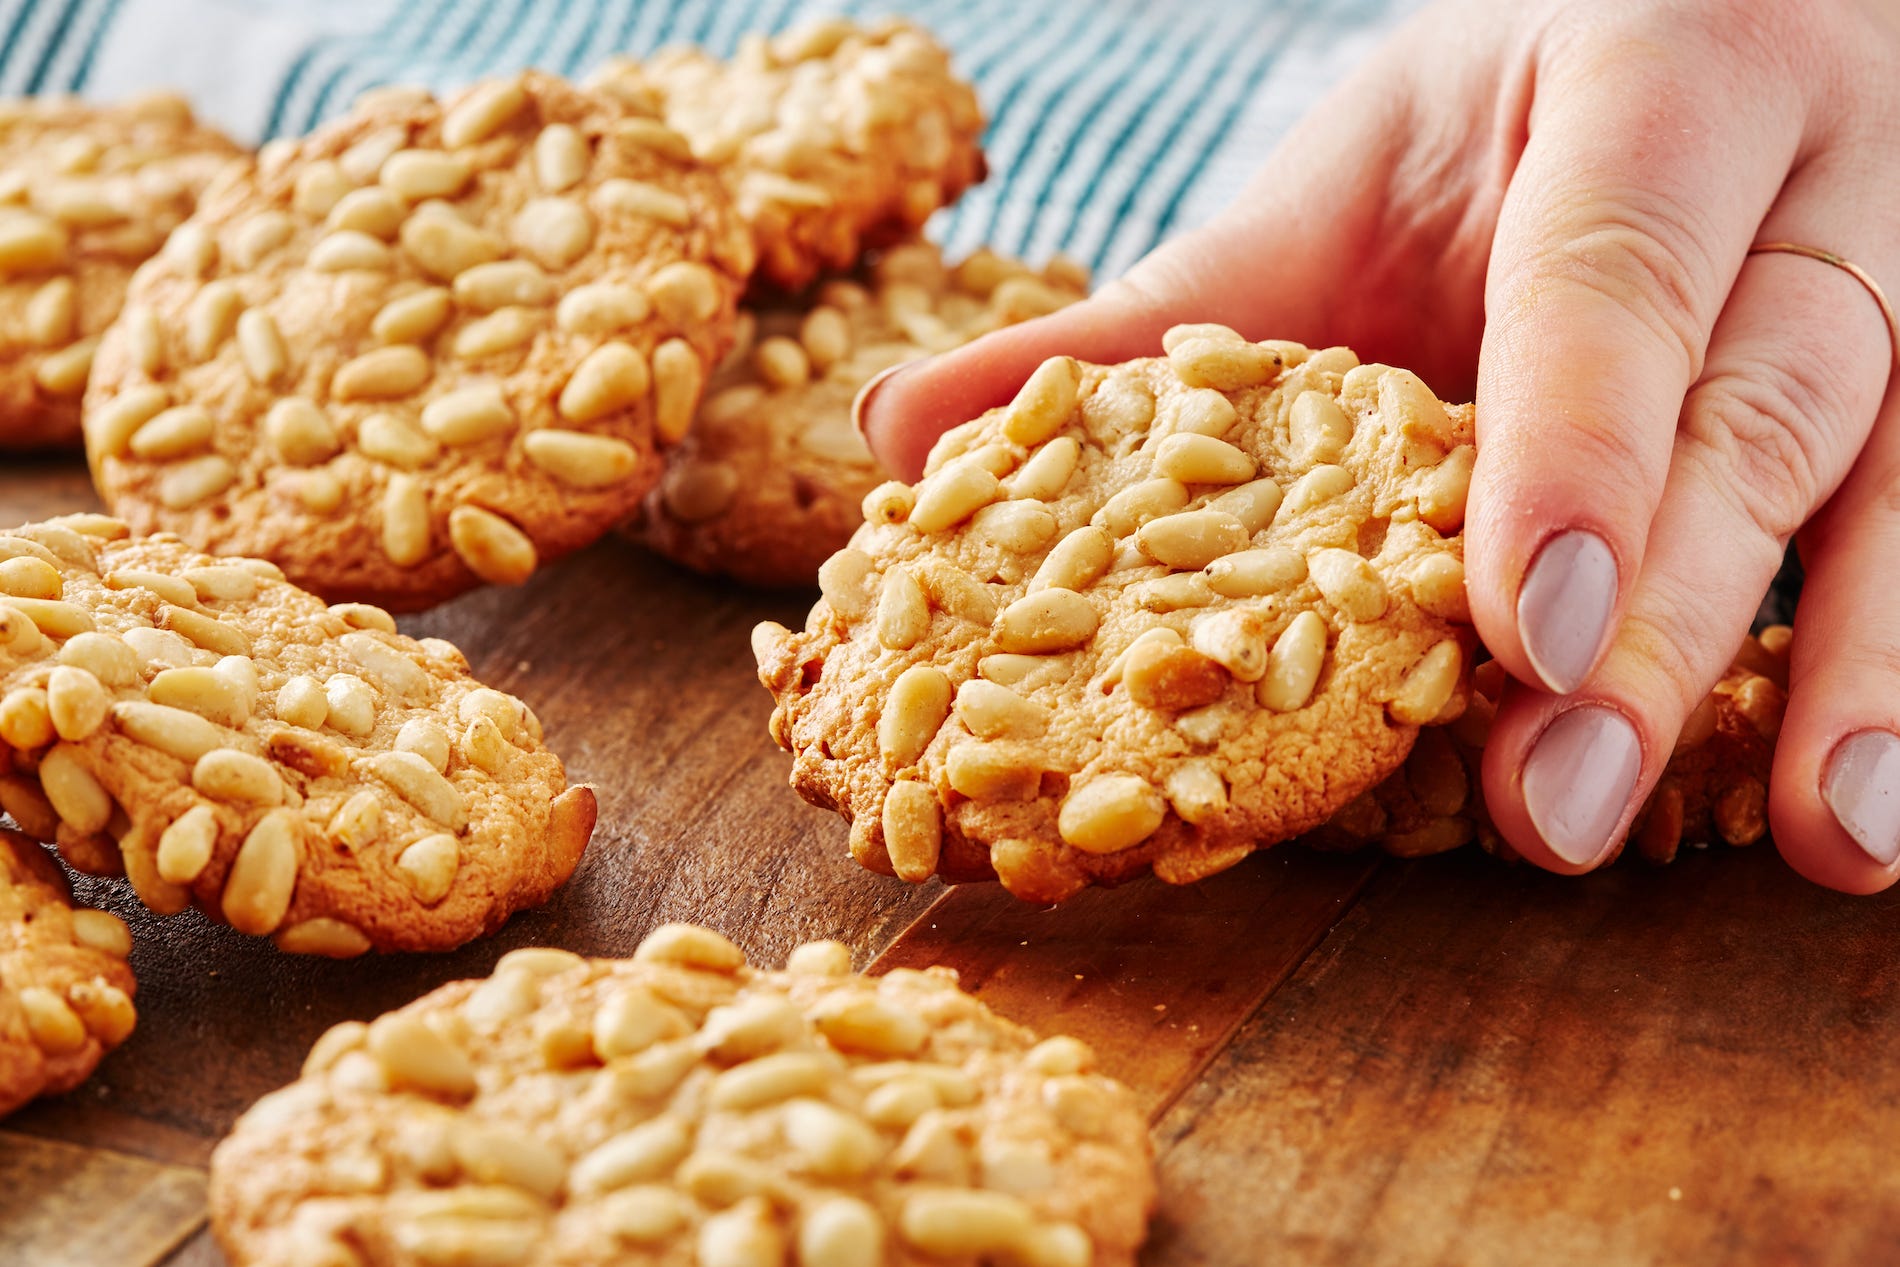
(87,194)
(769,482)
(433,344)
(65,990)
(1714,788)
(834,137)
(224,739)
(680,1109)
(1156,614)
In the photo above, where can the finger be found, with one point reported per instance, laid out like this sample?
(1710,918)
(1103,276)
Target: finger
(1794,377)
(1624,227)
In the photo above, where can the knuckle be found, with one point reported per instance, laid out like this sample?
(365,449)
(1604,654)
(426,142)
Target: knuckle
(1643,253)
(1766,437)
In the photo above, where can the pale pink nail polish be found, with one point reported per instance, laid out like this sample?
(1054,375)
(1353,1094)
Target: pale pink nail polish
(1564,607)
(863,399)
(1862,786)
(1579,778)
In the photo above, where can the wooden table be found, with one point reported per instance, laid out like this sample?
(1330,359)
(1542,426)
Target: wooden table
(1347,1060)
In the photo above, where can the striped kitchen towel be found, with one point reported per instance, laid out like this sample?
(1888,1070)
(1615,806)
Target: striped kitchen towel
(1113,123)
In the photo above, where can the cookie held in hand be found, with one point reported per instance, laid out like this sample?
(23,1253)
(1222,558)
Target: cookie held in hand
(297,771)
(1150,615)
(680,1107)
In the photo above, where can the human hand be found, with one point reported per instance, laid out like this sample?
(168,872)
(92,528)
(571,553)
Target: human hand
(1555,201)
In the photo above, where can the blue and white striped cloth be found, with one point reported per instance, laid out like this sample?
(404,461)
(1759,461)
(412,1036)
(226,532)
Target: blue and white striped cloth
(1114,123)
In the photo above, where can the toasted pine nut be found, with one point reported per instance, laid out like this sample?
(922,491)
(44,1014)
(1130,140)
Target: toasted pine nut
(1428,685)
(952,495)
(561,157)
(420,174)
(263,876)
(996,712)
(413,317)
(1235,639)
(1321,484)
(678,379)
(1191,538)
(1077,561)
(406,529)
(1293,665)
(1174,336)
(580,460)
(913,830)
(482,112)
(1043,405)
(993,771)
(110,427)
(203,691)
(903,613)
(1139,503)
(374,213)
(1199,459)
(300,432)
(383,374)
(555,232)
(445,246)
(1047,471)
(225,774)
(1443,491)
(262,347)
(1251,573)
(685,294)
(621,197)
(413,1055)
(1438,586)
(919,701)
(429,865)
(52,1025)
(690,946)
(413,779)
(1320,429)
(601,308)
(1045,621)
(1348,583)
(350,250)
(1223,364)
(951,1223)
(614,376)
(173,433)
(52,313)
(468,415)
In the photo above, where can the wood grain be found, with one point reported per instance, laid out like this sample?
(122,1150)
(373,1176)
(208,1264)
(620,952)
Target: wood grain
(64,1205)
(1489,1066)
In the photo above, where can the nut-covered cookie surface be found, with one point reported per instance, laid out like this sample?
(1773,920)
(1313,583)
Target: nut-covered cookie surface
(834,137)
(770,481)
(87,193)
(65,991)
(430,345)
(223,738)
(681,1109)
(1155,614)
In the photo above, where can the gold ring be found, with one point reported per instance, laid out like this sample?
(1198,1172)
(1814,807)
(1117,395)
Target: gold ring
(1853,270)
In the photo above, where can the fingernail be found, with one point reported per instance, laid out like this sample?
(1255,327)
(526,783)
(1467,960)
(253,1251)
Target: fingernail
(1862,787)
(862,401)
(1564,606)
(1578,780)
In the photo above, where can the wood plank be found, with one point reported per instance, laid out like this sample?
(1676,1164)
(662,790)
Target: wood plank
(1491,1066)
(65,1205)
(1156,978)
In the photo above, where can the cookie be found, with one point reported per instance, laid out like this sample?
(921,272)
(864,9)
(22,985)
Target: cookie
(65,990)
(225,740)
(679,1108)
(1715,786)
(1149,615)
(87,194)
(770,481)
(431,345)
(834,137)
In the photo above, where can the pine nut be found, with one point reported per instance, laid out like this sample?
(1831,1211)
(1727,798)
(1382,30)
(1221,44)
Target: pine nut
(1319,428)
(996,712)
(53,617)
(871,1027)
(1321,484)
(322,936)
(300,432)
(102,931)
(238,778)
(555,232)
(1348,583)
(601,308)
(192,249)
(445,246)
(561,157)
(414,317)
(1169,677)
(1015,527)
(421,174)
(1174,336)
(29,241)
(913,830)
(919,701)
(685,294)
(1076,562)
(202,691)
(580,460)
(504,331)
(1045,621)
(697,491)
(469,415)
(690,946)
(957,592)
(145,338)
(53,1026)
(782,363)
(111,426)
(1203,412)
(634,1020)
(429,865)
(1443,491)
(493,548)
(1060,1056)
(310,755)
(263,875)
(1197,792)
(414,780)
(833,1144)
(507,712)
(1428,685)
(1191,538)
(997,459)
(350,704)
(417,1057)
(1198,459)
(482,112)
(825,335)
(903,613)
(375,213)
(1234,639)
(427,740)
(262,347)
(383,374)
(841,1231)
(63,373)
(318,188)
(406,532)
(185,847)
(993,771)
(1293,665)
(169,588)
(101,655)
(350,250)
(502,284)
(390,439)
(1047,471)
(1224,364)
(1139,503)
(301,702)
(205,631)
(819,959)
(1043,405)
(950,1223)
(1438,586)
(76,796)
(614,376)
(52,313)
(175,433)
(678,379)
(620,197)
(952,495)
(25,576)
(771,1079)
(1422,419)
(1252,573)
(173,731)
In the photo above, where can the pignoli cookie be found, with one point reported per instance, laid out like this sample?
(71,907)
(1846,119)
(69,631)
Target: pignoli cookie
(1156,614)
(431,345)
(1714,788)
(65,990)
(87,193)
(297,771)
(771,480)
(834,137)
(679,1108)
